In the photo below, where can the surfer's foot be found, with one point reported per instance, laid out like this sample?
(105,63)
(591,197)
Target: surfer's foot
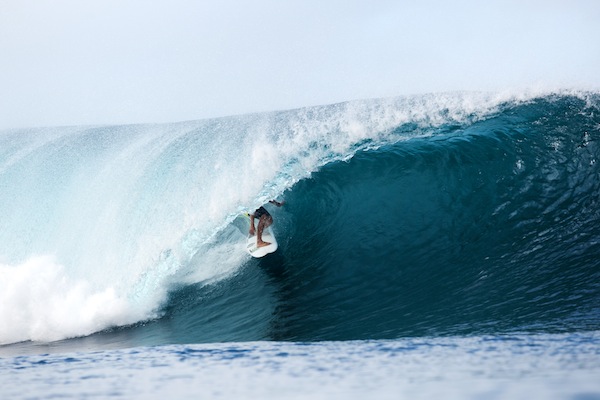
(251,232)
(262,244)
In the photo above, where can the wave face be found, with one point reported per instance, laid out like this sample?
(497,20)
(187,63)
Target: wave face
(431,215)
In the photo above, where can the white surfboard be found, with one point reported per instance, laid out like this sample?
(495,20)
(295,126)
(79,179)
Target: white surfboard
(258,252)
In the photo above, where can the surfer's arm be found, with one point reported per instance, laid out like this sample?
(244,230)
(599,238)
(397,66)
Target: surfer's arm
(277,203)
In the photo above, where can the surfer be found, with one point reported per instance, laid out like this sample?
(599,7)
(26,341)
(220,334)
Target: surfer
(264,220)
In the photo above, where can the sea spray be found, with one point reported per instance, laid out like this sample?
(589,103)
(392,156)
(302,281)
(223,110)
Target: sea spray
(102,223)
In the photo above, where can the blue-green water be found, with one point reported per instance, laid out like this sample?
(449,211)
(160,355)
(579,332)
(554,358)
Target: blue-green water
(462,219)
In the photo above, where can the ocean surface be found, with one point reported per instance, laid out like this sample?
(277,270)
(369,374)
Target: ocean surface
(442,245)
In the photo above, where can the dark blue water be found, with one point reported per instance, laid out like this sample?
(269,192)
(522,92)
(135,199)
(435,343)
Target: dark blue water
(485,228)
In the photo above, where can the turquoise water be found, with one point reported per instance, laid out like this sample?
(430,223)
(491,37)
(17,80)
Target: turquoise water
(442,237)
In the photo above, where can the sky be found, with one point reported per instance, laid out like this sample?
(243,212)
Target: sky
(81,62)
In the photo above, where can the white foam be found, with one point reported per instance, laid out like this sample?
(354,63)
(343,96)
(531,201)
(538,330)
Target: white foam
(39,301)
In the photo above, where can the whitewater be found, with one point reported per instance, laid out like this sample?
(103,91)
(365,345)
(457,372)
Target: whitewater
(416,230)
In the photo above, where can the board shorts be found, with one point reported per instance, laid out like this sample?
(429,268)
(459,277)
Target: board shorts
(260,212)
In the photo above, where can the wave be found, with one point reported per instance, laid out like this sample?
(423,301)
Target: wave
(408,216)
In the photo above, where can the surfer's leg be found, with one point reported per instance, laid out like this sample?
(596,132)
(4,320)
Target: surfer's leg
(264,221)
(251,232)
